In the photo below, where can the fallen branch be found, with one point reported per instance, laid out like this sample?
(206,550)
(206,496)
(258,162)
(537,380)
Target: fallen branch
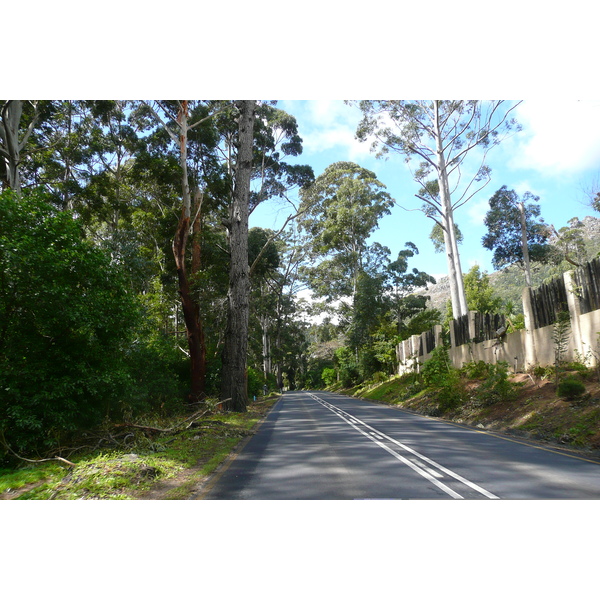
(197,415)
(30,460)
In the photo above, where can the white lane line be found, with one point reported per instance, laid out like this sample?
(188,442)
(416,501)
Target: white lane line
(430,471)
(401,458)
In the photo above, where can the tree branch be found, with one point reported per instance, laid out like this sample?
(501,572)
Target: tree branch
(29,460)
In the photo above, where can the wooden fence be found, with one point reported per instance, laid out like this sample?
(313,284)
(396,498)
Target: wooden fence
(476,336)
(587,286)
(547,301)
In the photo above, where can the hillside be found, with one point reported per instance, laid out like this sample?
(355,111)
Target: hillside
(535,412)
(508,283)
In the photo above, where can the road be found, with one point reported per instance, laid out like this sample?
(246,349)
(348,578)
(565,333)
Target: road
(319,445)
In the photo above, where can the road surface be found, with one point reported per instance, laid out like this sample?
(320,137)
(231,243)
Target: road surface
(319,445)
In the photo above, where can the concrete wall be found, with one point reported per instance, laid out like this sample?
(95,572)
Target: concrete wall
(523,348)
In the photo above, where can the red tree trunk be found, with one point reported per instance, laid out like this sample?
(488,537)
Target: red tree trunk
(195,334)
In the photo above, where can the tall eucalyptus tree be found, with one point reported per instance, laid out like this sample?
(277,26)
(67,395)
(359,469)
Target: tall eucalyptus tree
(339,212)
(442,134)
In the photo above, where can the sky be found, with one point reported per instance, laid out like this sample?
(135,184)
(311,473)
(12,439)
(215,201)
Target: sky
(555,156)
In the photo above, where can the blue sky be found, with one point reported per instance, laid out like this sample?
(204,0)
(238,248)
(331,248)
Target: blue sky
(556,156)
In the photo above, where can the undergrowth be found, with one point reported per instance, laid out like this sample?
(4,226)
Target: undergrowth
(132,459)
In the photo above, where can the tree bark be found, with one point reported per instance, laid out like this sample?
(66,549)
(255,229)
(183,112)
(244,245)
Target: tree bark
(524,244)
(234,376)
(190,313)
(195,334)
(11,117)
(457,289)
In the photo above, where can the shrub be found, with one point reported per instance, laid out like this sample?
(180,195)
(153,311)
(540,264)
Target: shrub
(329,376)
(497,387)
(348,369)
(439,374)
(67,319)
(437,368)
(256,381)
(451,392)
(476,370)
(570,388)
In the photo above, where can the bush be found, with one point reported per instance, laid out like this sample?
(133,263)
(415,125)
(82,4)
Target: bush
(439,374)
(410,384)
(476,370)
(329,376)
(348,369)
(437,368)
(497,387)
(570,388)
(66,322)
(256,381)
(451,393)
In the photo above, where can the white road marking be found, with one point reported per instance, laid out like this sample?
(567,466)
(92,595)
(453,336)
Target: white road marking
(425,471)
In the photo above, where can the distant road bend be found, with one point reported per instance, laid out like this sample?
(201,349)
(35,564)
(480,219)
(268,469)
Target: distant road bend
(319,445)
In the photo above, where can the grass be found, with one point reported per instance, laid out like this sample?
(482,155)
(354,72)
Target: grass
(125,472)
(532,407)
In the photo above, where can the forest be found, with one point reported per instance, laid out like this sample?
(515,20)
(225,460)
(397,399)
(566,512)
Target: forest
(131,283)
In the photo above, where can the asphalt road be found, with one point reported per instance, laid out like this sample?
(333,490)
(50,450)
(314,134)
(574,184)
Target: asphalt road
(318,445)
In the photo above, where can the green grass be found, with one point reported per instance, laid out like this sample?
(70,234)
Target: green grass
(122,473)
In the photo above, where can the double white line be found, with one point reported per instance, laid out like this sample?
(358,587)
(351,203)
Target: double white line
(421,464)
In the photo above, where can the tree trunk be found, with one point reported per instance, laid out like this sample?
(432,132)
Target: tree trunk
(195,334)
(266,346)
(524,245)
(11,117)
(457,289)
(190,313)
(234,376)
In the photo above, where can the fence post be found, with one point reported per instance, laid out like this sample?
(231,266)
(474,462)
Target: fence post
(530,351)
(574,309)
(437,332)
(472,328)
(452,333)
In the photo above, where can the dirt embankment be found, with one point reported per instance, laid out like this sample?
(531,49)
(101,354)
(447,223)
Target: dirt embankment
(537,413)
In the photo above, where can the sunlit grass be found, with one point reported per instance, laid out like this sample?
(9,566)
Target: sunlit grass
(125,472)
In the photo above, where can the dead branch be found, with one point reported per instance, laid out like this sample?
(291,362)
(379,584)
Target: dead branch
(30,460)
(197,415)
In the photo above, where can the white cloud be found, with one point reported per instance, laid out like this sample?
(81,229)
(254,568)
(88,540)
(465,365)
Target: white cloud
(328,125)
(525,186)
(558,137)
(476,210)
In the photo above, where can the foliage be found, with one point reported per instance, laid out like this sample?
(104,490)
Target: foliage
(347,366)
(67,325)
(480,294)
(560,338)
(436,369)
(329,376)
(256,381)
(475,369)
(443,379)
(504,236)
(570,388)
(497,386)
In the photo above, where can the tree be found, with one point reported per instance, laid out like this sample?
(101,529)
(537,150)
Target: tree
(516,235)
(341,210)
(17,122)
(480,294)
(570,243)
(233,381)
(178,127)
(403,283)
(442,134)
(67,319)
